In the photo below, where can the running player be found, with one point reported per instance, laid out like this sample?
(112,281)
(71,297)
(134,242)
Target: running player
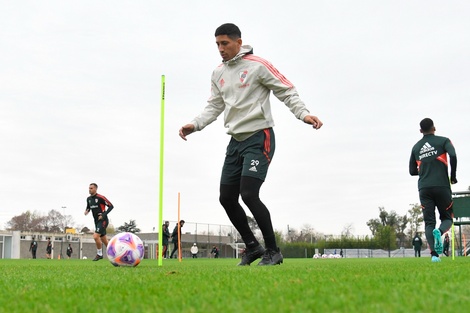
(97,204)
(429,161)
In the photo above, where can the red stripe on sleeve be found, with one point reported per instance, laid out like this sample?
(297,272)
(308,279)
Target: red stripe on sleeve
(271,68)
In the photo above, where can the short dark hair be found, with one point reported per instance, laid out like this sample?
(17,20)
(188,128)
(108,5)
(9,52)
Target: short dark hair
(229,29)
(426,124)
(93,184)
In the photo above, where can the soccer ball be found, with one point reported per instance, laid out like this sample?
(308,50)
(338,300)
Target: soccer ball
(125,249)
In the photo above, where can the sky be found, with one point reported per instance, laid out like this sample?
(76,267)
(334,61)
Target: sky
(80,96)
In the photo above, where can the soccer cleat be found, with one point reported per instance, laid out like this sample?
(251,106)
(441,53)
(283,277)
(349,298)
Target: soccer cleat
(272,257)
(251,254)
(98,257)
(435,259)
(437,241)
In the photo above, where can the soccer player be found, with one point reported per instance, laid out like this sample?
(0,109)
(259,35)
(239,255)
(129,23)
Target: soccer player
(69,251)
(446,244)
(174,235)
(97,204)
(429,161)
(241,87)
(165,238)
(49,249)
(33,248)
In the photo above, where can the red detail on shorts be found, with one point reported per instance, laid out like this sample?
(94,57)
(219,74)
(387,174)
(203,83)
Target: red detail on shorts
(450,206)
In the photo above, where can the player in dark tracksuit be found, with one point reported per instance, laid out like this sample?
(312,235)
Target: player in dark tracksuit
(97,204)
(429,161)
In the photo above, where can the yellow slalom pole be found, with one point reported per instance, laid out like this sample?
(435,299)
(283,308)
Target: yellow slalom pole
(162,145)
(179,229)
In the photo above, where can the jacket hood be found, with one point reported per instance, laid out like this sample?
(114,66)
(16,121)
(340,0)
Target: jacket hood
(245,49)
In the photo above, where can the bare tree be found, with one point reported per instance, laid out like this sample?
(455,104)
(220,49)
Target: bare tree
(55,222)
(26,221)
(415,219)
(348,230)
(253,224)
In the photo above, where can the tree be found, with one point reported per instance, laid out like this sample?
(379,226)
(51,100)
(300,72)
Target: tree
(54,221)
(27,221)
(402,223)
(386,238)
(254,228)
(347,231)
(85,230)
(416,218)
(253,224)
(388,227)
(111,230)
(383,215)
(374,225)
(307,234)
(130,227)
(292,234)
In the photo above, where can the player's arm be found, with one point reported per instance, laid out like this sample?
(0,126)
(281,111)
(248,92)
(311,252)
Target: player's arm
(453,169)
(109,205)
(186,130)
(452,160)
(413,165)
(87,209)
(286,92)
(215,106)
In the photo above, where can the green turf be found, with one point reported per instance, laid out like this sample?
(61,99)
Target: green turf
(217,285)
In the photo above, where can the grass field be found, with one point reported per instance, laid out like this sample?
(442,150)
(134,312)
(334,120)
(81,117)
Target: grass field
(217,285)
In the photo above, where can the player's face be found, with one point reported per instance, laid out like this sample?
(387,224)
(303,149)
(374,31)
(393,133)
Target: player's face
(228,48)
(92,190)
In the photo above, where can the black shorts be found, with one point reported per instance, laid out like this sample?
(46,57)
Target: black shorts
(432,197)
(100,227)
(250,157)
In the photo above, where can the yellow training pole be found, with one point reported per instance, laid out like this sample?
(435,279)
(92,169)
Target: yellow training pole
(179,230)
(160,204)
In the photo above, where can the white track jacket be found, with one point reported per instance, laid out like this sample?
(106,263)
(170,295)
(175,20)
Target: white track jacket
(241,88)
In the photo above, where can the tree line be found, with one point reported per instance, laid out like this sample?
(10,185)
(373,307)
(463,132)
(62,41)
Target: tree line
(56,222)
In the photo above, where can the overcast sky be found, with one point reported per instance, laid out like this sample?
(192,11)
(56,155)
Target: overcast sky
(80,103)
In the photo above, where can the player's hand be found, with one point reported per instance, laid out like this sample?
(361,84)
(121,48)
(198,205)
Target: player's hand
(186,130)
(100,217)
(86,212)
(453,180)
(314,121)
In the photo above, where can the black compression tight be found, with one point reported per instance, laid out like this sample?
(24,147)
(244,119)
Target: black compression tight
(249,190)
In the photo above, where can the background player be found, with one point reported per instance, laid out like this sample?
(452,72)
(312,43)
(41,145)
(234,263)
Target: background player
(97,204)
